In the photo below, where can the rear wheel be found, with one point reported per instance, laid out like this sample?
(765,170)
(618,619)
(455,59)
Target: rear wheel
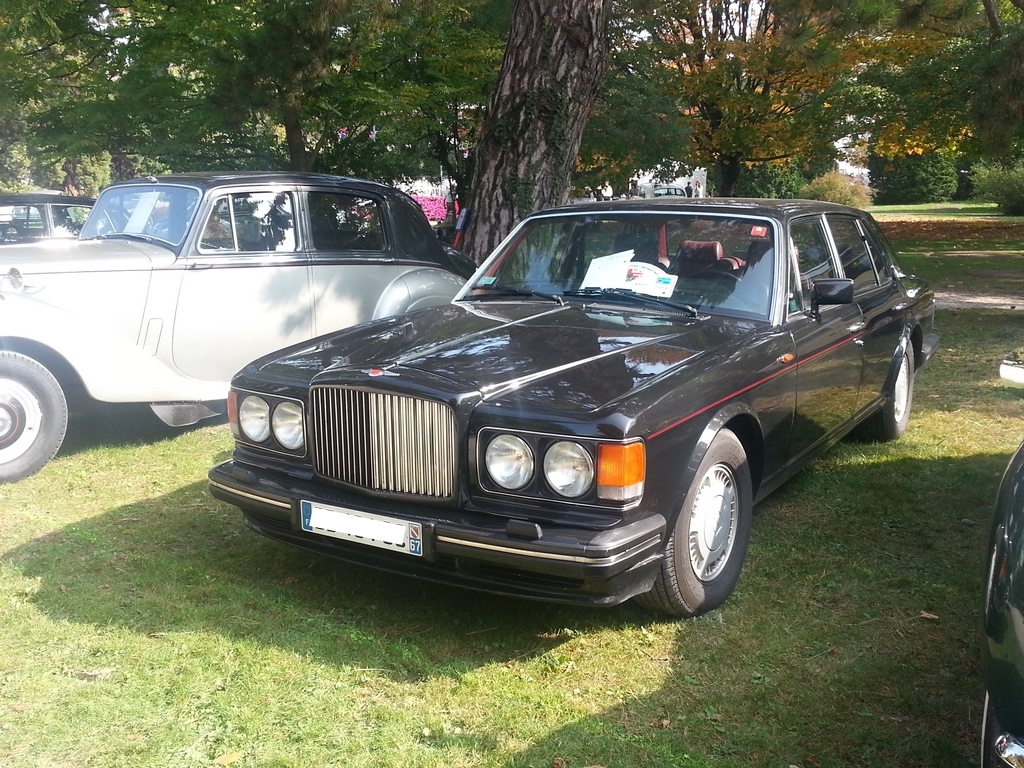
(891,421)
(33,416)
(708,543)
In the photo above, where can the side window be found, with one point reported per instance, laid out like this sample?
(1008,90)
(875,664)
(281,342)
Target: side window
(796,300)
(217,233)
(853,251)
(344,223)
(250,221)
(68,219)
(21,221)
(881,254)
(809,241)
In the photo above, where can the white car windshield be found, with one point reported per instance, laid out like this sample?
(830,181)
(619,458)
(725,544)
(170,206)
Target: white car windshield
(707,261)
(160,212)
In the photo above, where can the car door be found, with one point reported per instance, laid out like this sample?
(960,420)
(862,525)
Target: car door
(864,261)
(829,357)
(352,257)
(247,277)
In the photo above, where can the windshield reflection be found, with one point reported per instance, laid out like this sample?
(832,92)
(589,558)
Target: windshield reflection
(160,212)
(711,262)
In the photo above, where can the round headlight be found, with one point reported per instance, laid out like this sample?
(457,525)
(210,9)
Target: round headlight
(254,418)
(287,425)
(569,469)
(509,461)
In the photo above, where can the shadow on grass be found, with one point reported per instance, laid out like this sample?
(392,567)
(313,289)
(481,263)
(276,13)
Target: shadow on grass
(98,425)
(185,562)
(849,642)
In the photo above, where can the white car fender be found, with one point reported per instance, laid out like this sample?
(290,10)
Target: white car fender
(427,287)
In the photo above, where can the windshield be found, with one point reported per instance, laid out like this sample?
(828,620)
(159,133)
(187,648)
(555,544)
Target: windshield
(158,211)
(705,261)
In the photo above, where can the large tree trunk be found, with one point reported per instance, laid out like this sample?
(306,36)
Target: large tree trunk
(292,119)
(555,59)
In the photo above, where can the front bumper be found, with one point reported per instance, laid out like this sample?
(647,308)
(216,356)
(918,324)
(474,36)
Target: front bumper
(475,550)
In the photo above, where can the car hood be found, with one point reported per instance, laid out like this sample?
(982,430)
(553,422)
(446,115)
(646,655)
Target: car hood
(49,257)
(530,354)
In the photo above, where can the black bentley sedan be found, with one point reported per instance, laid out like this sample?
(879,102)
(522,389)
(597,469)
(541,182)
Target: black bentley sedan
(595,415)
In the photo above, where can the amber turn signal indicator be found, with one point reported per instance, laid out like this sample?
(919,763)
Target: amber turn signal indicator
(620,470)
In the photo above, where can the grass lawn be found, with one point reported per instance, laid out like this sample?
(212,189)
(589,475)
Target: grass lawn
(141,625)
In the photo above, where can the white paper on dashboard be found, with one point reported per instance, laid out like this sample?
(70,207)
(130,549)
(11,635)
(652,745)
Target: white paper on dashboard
(620,271)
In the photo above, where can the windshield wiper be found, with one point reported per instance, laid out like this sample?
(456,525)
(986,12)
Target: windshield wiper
(633,296)
(509,290)
(129,235)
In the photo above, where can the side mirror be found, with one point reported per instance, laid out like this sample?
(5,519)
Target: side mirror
(829,291)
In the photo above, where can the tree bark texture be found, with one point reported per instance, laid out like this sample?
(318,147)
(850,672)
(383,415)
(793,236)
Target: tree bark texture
(555,59)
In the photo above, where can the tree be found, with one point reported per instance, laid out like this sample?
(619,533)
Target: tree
(359,87)
(555,57)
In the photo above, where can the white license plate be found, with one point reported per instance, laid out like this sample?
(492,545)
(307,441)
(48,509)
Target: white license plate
(363,528)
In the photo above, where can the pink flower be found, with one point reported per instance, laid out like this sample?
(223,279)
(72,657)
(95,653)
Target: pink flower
(433,206)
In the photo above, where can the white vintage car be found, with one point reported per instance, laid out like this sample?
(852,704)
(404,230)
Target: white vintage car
(176,282)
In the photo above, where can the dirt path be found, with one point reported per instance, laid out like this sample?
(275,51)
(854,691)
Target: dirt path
(966,231)
(957,300)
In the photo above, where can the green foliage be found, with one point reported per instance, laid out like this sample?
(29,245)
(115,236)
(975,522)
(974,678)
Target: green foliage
(836,187)
(771,180)
(915,178)
(195,85)
(1002,185)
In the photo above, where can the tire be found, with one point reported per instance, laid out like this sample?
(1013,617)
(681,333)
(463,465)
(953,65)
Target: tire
(702,559)
(890,423)
(33,416)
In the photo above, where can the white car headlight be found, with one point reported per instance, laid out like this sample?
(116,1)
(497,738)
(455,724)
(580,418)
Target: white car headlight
(287,424)
(509,462)
(569,468)
(254,418)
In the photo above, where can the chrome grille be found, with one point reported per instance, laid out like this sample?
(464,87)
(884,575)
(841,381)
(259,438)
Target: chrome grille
(383,442)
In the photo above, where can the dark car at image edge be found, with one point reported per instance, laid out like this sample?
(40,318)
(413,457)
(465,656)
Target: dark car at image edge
(1002,652)
(595,415)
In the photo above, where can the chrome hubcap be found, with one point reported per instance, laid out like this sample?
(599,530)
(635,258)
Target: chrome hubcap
(20,418)
(713,522)
(901,391)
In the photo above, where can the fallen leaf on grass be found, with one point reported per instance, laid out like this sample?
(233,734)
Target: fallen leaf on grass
(662,722)
(90,674)
(558,762)
(228,759)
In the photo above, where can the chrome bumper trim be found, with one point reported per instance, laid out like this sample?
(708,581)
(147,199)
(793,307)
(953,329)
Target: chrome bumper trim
(253,496)
(553,556)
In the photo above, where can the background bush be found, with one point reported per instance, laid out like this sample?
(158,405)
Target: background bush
(771,181)
(911,179)
(836,187)
(1002,186)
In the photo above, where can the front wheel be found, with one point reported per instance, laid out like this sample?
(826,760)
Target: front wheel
(33,416)
(708,543)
